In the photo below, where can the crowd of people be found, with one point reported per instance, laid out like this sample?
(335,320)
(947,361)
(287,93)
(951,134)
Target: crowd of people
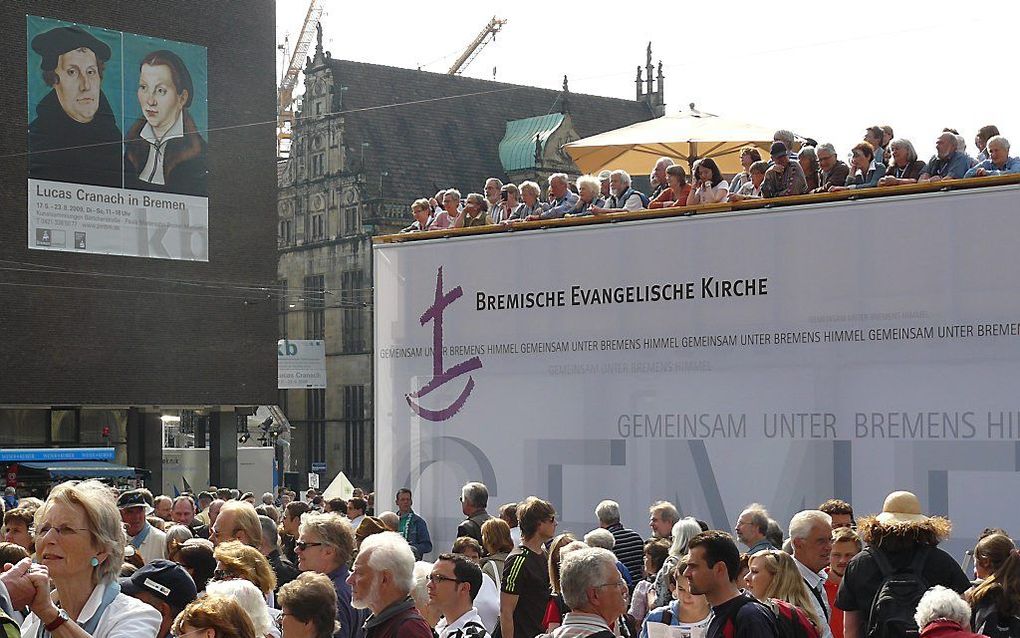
(794,167)
(89,561)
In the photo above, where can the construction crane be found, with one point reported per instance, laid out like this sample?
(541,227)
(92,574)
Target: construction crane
(487,35)
(285,92)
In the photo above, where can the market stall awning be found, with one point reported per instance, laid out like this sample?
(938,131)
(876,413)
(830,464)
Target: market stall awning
(686,137)
(81,469)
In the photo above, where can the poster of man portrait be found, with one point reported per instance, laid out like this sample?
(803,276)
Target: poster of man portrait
(117,142)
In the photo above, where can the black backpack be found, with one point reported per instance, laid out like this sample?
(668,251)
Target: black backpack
(892,610)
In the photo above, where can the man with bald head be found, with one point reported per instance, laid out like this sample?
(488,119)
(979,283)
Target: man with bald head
(947,163)
(74,136)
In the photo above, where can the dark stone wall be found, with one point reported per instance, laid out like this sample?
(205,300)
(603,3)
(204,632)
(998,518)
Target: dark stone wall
(95,329)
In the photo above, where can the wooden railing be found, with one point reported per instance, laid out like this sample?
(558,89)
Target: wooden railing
(708,209)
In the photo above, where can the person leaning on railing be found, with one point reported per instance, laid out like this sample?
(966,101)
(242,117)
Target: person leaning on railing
(709,186)
(588,196)
(808,159)
(752,189)
(999,162)
(904,167)
(834,170)
(868,170)
(677,190)
(476,212)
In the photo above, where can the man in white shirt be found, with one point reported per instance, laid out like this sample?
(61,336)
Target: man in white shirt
(149,542)
(811,534)
(453,584)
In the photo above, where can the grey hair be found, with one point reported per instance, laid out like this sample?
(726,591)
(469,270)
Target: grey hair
(949,136)
(608,512)
(759,516)
(786,137)
(961,143)
(161,498)
(478,200)
(535,189)
(270,532)
(827,147)
(664,161)
(902,142)
(591,182)
(940,602)
(560,176)
(802,522)
(582,570)
(389,552)
(494,179)
(600,537)
(665,509)
(809,152)
(454,192)
(623,175)
(420,591)
(178,533)
(683,531)
(475,493)
(390,519)
(999,141)
(248,596)
(268,495)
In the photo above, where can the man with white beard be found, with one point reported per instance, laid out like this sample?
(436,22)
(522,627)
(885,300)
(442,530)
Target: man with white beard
(381,582)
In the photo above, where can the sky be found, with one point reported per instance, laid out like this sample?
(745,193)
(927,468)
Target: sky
(822,69)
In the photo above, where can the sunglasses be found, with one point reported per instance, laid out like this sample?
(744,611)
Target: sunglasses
(303,545)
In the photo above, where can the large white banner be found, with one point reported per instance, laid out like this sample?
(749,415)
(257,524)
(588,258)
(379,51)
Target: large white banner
(785,357)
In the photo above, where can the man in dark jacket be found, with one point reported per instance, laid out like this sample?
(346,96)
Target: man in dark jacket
(474,498)
(284,569)
(412,527)
(74,137)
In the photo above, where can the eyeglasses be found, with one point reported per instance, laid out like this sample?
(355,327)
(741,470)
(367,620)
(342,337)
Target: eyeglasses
(279,620)
(303,545)
(63,531)
(435,579)
(617,584)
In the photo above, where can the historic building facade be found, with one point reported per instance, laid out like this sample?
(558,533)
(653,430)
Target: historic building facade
(368,140)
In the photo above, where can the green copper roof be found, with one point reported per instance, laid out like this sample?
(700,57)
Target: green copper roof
(517,148)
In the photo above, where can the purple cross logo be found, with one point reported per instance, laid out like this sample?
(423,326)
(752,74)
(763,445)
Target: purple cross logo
(440,375)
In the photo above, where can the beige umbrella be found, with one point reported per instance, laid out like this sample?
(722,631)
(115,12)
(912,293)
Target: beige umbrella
(686,136)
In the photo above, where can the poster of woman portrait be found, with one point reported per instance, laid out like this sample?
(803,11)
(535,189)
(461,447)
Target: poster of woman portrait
(165,143)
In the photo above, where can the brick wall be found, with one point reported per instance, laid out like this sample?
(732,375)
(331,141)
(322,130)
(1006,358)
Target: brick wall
(144,339)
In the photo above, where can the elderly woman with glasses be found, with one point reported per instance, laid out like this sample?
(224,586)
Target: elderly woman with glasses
(325,544)
(904,167)
(79,545)
(213,617)
(308,607)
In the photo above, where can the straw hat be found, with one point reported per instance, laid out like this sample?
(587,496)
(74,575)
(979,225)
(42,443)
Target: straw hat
(901,507)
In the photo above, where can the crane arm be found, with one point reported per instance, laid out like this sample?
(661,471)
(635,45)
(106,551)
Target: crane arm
(484,37)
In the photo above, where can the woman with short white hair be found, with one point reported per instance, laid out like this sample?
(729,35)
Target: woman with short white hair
(941,613)
(589,196)
(683,531)
(248,596)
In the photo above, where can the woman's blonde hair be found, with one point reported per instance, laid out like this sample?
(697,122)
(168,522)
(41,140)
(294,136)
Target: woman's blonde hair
(242,561)
(787,583)
(223,615)
(99,502)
